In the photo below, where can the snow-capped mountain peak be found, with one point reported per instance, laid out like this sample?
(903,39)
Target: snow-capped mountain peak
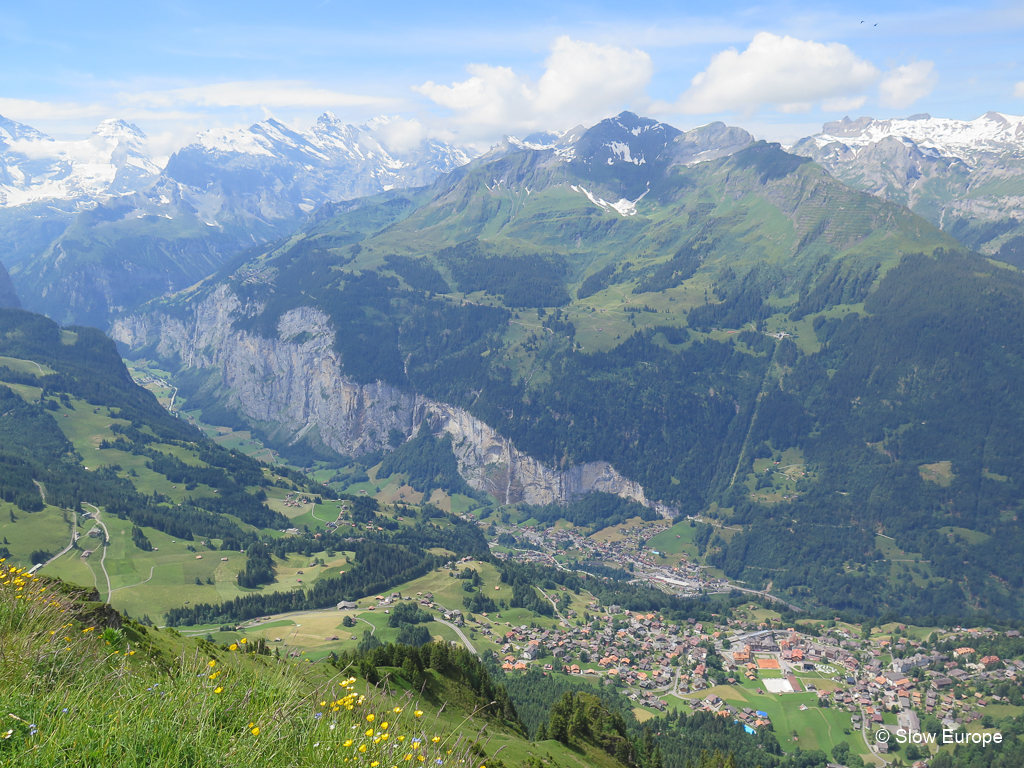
(12,131)
(114,159)
(330,161)
(119,130)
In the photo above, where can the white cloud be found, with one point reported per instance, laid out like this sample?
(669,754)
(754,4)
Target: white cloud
(255,93)
(26,110)
(582,83)
(396,134)
(848,104)
(783,73)
(904,85)
(1019,89)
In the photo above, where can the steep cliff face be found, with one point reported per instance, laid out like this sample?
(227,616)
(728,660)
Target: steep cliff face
(295,381)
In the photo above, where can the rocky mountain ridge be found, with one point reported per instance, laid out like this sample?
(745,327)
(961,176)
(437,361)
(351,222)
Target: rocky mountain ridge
(295,382)
(81,252)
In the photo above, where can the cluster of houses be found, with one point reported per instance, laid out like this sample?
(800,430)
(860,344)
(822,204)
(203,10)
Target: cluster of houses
(638,650)
(914,680)
(750,719)
(343,509)
(654,658)
(297,500)
(628,551)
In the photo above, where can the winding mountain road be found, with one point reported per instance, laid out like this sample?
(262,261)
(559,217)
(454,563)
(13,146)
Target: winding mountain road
(865,728)
(461,634)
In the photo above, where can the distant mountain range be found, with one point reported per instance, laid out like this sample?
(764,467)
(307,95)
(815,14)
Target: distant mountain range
(92,227)
(966,176)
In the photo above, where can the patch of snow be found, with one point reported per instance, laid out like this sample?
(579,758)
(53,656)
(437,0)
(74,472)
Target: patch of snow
(623,207)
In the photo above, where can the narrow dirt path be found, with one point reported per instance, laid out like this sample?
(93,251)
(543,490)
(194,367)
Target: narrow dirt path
(129,586)
(103,554)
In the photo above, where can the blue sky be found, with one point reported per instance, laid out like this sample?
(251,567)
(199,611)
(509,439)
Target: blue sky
(473,71)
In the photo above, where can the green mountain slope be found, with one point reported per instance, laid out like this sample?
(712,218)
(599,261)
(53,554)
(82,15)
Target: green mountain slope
(91,464)
(694,324)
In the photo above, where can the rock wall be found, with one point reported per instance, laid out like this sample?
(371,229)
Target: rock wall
(296,381)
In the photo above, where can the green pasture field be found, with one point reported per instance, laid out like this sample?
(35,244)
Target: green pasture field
(940,473)
(25,366)
(790,469)
(87,426)
(310,631)
(816,728)
(153,582)
(26,532)
(972,537)
(755,612)
(903,563)
(677,540)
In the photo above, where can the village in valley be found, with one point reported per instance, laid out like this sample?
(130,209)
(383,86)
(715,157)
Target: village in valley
(812,683)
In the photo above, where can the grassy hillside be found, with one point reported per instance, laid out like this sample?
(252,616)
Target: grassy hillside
(84,686)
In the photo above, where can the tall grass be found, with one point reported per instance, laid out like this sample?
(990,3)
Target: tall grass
(78,695)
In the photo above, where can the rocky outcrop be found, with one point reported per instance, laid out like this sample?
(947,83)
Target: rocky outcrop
(295,381)
(8,296)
